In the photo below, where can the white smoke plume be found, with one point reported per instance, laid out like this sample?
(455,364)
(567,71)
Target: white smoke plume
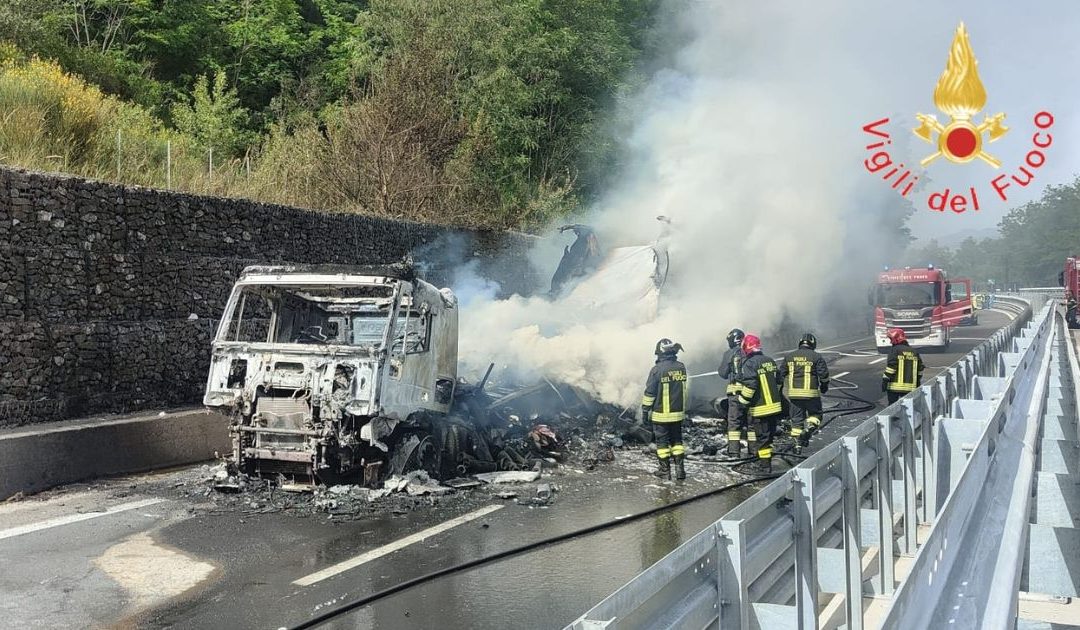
(749,138)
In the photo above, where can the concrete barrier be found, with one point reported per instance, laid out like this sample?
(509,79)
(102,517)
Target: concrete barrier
(36,458)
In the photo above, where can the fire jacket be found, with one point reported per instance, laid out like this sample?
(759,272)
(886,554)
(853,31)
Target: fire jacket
(730,368)
(903,370)
(667,391)
(804,374)
(759,386)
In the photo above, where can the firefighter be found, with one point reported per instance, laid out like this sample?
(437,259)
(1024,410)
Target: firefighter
(1070,311)
(730,368)
(664,404)
(903,369)
(759,392)
(805,376)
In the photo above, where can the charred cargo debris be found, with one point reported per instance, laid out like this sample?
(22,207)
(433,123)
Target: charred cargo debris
(335,373)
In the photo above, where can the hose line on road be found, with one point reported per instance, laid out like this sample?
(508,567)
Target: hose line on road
(513,551)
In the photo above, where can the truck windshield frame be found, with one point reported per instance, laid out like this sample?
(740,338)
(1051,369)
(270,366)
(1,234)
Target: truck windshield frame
(309,316)
(908,294)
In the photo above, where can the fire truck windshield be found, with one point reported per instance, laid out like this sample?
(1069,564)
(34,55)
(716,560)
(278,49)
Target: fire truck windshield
(894,294)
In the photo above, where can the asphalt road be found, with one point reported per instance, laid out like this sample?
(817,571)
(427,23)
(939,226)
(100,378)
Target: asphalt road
(123,553)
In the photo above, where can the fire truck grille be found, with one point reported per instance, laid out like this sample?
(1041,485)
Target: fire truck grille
(913,328)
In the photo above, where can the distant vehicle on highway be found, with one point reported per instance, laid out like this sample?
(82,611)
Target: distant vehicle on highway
(1070,279)
(923,302)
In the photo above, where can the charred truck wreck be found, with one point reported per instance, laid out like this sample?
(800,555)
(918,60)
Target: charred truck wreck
(322,369)
(332,371)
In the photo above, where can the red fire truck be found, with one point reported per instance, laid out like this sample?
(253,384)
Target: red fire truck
(1070,279)
(923,302)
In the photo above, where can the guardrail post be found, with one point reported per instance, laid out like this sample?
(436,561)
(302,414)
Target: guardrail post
(731,583)
(806,584)
(852,534)
(884,500)
(930,395)
(907,449)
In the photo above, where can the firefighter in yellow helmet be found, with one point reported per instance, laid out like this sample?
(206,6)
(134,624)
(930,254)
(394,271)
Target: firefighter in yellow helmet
(903,369)
(664,403)
(805,376)
(760,394)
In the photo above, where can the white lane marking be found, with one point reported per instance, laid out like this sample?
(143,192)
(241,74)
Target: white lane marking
(968,338)
(840,375)
(354,562)
(75,518)
(839,345)
(878,360)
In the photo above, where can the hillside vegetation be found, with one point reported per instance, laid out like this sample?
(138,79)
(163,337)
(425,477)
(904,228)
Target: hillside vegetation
(472,112)
(1035,238)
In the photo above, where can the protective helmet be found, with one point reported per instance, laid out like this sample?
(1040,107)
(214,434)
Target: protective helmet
(751,344)
(735,337)
(896,336)
(808,340)
(667,346)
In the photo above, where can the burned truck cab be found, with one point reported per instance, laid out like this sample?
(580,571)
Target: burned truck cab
(324,369)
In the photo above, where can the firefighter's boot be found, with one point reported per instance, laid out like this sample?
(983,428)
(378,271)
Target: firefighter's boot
(663,468)
(813,423)
(797,437)
(734,446)
(680,471)
(763,465)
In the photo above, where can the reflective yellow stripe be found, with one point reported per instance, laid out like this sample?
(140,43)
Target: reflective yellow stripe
(901,387)
(647,401)
(796,431)
(764,452)
(765,410)
(765,391)
(663,453)
(813,421)
(752,436)
(732,388)
(804,393)
(678,449)
(890,370)
(900,375)
(733,436)
(666,398)
(806,376)
(672,416)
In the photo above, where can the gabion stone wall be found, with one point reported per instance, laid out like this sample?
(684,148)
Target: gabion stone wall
(110,293)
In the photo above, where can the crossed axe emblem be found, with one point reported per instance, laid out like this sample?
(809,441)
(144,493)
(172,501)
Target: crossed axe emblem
(960,141)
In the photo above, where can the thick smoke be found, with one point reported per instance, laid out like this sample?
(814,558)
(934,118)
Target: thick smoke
(748,137)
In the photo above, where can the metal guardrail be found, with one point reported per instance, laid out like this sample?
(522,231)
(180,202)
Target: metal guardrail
(1051,292)
(967,573)
(765,563)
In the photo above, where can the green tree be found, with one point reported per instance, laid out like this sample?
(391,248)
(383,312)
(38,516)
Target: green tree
(214,119)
